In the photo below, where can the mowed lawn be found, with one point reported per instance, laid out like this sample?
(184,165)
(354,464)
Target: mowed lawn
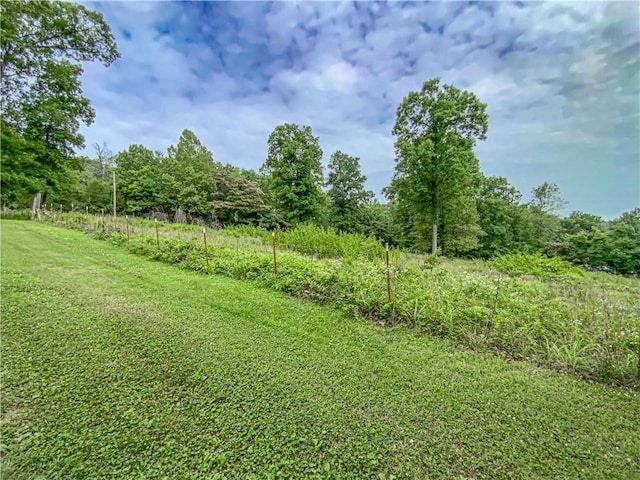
(114,366)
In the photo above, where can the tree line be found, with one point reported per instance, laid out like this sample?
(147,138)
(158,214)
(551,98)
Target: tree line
(438,199)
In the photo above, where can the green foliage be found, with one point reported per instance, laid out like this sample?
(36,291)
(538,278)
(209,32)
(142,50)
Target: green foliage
(546,198)
(379,222)
(98,194)
(431,261)
(293,173)
(535,264)
(313,240)
(547,310)
(347,195)
(12,214)
(139,179)
(504,222)
(237,199)
(436,170)
(616,248)
(459,227)
(168,374)
(578,221)
(42,96)
(187,176)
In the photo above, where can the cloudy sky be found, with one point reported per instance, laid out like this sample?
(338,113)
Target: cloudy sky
(561,80)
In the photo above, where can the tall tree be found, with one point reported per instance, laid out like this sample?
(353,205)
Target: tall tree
(187,178)
(41,45)
(546,198)
(347,194)
(139,179)
(436,168)
(294,173)
(104,158)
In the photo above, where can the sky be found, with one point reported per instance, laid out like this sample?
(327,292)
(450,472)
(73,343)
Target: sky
(561,81)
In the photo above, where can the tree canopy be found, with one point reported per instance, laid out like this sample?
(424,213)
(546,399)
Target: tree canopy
(436,170)
(347,194)
(42,44)
(294,173)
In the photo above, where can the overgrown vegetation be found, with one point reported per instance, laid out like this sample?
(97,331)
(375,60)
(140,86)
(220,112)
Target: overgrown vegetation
(112,363)
(519,306)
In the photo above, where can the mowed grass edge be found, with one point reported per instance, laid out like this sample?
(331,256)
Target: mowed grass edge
(113,365)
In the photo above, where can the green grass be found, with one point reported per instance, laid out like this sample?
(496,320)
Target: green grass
(525,307)
(115,366)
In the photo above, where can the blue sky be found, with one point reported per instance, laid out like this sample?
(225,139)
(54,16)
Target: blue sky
(561,80)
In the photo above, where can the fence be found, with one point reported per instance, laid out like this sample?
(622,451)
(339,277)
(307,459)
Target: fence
(477,310)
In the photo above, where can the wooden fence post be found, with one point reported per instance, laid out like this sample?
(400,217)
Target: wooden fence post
(73,214)
(86,215)
(126,217)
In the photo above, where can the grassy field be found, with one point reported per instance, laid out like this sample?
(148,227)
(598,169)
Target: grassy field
(116,366)
(523,307)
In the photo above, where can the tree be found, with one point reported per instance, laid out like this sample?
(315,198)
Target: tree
(379,222)
(97,194)
(502,218)
(614,244)
(139,179)
(41,44)
(545,201)
(624,236)
(294,173)
(347,195)
(459,226)
(436,168)
(104,159)
(188,176)
(237,197)
(546,198)
(578,221)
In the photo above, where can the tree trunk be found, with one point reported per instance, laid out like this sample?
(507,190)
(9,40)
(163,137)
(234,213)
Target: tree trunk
(435,217)
(114,195)
(35,208)
(434,238)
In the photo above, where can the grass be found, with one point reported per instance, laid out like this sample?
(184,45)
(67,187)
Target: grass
(116,366)
(524,307)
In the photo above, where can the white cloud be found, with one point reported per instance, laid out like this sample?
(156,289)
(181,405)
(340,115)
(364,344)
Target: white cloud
(560,79)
